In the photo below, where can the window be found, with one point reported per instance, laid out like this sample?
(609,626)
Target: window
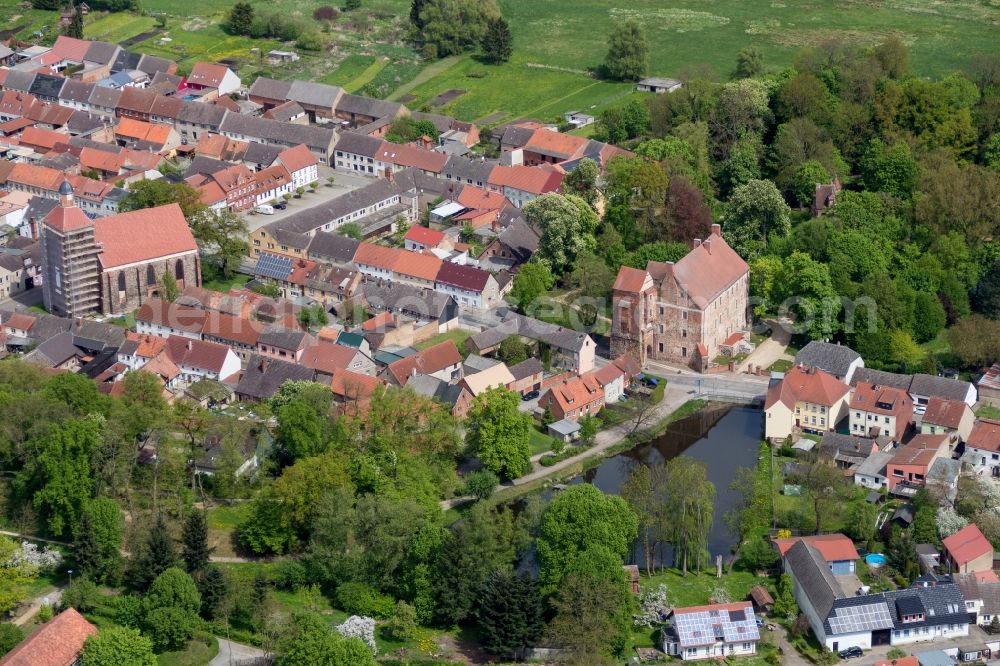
(747,647)
(684,315)
(684,351)
(887,419)
(661,347)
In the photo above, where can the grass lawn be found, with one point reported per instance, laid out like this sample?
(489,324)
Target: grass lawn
(458,336)
(221,284)
(540,442)
(128,321)
(988,412)
(349,69)
(781,365)
(199,652)
(117,27)
(222,524)
(938,345)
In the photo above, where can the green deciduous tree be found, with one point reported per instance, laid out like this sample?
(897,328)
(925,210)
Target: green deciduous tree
(118,646)
(499,433)
(628,52)
(454,26)
(567,226)
(592,618)
(807,177)
(804,289)
(582,180)
(168,627)
(82,595)
(98,555)
(755,212)
(512,350)
(749,63)
(579,517)
(10,636)
(532,280)
(889,169)
(929,317)
(160,192)
(860,520)
(311,642)
(222,238)
(174,588)
(510,614)
(497,44)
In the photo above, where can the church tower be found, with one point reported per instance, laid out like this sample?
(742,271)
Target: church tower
(71,285)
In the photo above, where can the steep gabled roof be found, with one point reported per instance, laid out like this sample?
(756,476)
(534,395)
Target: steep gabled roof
(806,385)
(709,269)
(142,235)
(58,642)
(966,545)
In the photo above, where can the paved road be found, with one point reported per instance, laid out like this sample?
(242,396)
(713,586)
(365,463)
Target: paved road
(736,385)
(50,598)
(236,654)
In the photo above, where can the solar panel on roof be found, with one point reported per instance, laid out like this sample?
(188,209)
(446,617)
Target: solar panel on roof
(273,266)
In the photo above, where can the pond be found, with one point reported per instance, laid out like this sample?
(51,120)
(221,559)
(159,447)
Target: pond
(724,438)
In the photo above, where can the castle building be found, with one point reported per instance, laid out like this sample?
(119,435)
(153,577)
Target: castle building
(683,312)
(112,265)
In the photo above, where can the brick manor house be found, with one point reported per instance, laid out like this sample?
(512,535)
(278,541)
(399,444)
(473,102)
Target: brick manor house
(683,312)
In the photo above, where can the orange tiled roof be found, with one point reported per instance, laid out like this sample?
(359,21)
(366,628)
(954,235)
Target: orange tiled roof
(557,144)
(70,48)
(43,138)
(328,357)
(420,266)
(369,254)
(708,270)
(801,385)
(576,392)
(477,197)
(630,279)
(427,362)
(57,643)
(154,133)
(297,158)
(985,435)
(966,545)
(36,176)
(424,235)
(102,160)
(947,413)
(526,179)
(207,74)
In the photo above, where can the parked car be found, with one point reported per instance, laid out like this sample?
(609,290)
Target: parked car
(530,395)
(850,653)
(280,206)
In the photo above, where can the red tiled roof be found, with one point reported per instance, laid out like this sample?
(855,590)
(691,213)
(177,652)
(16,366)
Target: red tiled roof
(229,327)
(735,606)
(985,435)
(630,279)
(477,197)
(142,235)
(381,320)
(833,547)
(411,156)
(17,103)
(207,74)
(378,256)
(57,643)
(869,397)
(708,270)
(102,160)
(527,179)
(966,545)
(136,129)
(328,357)
(297,158)
(36,176)
(70,48)
(427,362)
(197,353)
(162,366)
(139,100)
(607,374)
(628,365)
(164,313)
(424,235)
(221,147)
(991,378)
(20,321)
(919,451)
(943,412)
(576,392)
(812,385)
(66,218)
(148,345)
(353,386)
(899,661)
(43,138)
(468,278)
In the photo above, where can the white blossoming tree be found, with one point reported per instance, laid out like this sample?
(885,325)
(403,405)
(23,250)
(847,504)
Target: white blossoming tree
(949,521)
(359,627)
(653,607)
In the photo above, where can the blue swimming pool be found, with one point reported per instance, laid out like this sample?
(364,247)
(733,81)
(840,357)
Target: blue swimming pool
(875,559)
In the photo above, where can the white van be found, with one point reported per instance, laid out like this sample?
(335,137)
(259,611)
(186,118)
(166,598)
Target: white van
(266,209)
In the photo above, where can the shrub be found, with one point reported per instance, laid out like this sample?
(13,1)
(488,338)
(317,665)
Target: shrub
(290,574)
(169,627)
(81,595)
(360,599)
(310,41)
(403,622)
(10,635)
(127,610)
(481,484)
(45,613)
(326,13)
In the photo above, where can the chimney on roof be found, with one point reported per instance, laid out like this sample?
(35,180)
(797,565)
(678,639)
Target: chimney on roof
(189,344)
(708,245)
(716,230)
(696,243)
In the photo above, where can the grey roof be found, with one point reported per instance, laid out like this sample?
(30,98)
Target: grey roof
(874,465)
(516,324)
(5,51)
(516,136)
(358,144)
(813,577)
(197,113)
(314,94)
(943,604)
(973,589)
(527,368)
(934,658)
(95,335)
(272,130)
(845,448)
(152,64)
(261,153)
(76,91)
(366,106)
(520,239)
(105,97)
(264,376)
(441,123)
(414,301)
(332,247)
(565,427)
(905,513)
(202,164)
(55,351)
(477,363)
(126,60)
(284,338)
(286,112)
(270,88)
(39,207)
(290,238)
(880,377)
(18,80)
(434,388)
(102,52)
(313,218)
(465,169)
(60,162)
(170,79)
(831,358)
(82,122)
(941,387)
